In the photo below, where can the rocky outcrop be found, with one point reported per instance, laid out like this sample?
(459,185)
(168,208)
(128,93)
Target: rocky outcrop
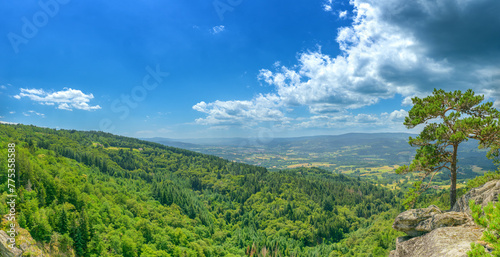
(26,245)
(481,195)
(416,222)
(5,250)
(432,232)
(441,242)
(447,219)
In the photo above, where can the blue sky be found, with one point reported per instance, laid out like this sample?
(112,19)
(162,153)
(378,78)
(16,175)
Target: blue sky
(241,68)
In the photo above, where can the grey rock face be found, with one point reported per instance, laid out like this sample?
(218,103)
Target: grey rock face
(432,232)
(5,250)
(481,195)
(409,220)
(416,222)
(441,242)
(447,219)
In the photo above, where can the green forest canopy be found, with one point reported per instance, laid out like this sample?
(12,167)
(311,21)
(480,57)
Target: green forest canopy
(106,195)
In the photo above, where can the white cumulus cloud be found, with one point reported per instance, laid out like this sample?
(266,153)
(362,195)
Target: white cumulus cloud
(393,47)
(9,123)
(218,29)
(223,113)
(396,115)
(31,112)
(343,14)
(66,99)
(328,6)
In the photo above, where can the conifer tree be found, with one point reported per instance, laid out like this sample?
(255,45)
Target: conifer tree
(462,117)
(63,222)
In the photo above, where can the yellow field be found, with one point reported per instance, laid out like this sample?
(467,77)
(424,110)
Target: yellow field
(459,185)
(322,164)
(313,164)
(299,165)
(369,171)
(114,148)
(390,186)
(381,169)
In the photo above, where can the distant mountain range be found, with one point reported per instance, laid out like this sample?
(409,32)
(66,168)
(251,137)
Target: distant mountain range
(344,139)
(170,142)
(330,152)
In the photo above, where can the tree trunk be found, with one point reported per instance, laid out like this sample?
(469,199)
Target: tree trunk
(453,187)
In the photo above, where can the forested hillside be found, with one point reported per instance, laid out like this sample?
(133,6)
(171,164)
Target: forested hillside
(99,194)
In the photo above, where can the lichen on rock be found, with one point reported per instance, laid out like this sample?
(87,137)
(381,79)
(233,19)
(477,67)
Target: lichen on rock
(481,195)
(441,242)
(433,232)
(416,222)
(25,244)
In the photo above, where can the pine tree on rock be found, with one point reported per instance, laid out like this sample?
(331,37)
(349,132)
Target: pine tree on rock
(462,118)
